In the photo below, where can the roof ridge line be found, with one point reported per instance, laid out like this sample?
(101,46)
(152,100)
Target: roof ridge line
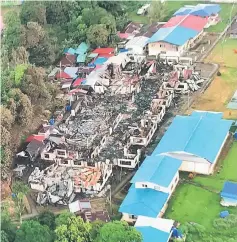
(199,121)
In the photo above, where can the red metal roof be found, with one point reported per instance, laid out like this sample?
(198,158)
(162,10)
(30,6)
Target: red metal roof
(188,21)
(174,21)
(124,35)
(78,81)
(62,74)
(35,137)
(103,50)
(194,22)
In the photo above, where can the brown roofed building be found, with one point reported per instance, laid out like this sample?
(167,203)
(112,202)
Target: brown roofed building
(67,60)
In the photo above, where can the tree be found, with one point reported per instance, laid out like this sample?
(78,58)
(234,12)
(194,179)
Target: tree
(72,229)
(6,225)
(109,22)
(19,73)
(118,231)
(96,226)
(157,11)
(98,35)
(6,117)
(20,56)
(4,237)
(11,37)
(34,86)
(19,190)
(33,12)
(57,12)
(47,218)
(38,44)
(31,230)
(114,7)
(23,109)
(121,22)
(92,16)
(77,30)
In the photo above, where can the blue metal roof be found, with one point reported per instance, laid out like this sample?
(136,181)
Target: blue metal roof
(82,48)
(70,51)
(81,58)
(217,115)
(100,61)
(157,169)
(202,10)
(177,35)
(150,234)
(201,135)
(71,71)
(183,11)
(229,190)
(143,201)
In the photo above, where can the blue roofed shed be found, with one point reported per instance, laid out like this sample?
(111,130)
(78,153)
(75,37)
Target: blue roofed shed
(157,169)
(81,58)
(150,234)
(229,194)
(145,202)
(177,35)
(196,140)
(82,48)
(154,229)
(100,61)
(202,10)
(70,51)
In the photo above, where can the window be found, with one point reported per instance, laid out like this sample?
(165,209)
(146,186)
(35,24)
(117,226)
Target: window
(64,162)
(46,156)
(144,185)
(125,163)
(176,179)
(77,162)
(61,152)
(132,216)
(172,187)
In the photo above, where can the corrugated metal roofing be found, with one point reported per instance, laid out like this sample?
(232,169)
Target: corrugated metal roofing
(138,41)
(201,135)
(203,10)
(71,71)
(81,58)
(82,48)
(100,61)
(145,202)
(187,21)
(229,190)
(174,35)
(150,234)
(157,169)
(70,51)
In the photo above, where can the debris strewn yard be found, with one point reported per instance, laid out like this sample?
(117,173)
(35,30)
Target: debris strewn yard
(222,88)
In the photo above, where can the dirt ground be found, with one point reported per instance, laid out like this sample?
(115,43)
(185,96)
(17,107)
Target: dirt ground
(222,88)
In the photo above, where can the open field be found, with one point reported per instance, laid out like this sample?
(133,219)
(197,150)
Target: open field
(222,88)
(191,203)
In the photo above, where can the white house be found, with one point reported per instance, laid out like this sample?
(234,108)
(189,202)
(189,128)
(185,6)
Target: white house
(136,45)
(196,140)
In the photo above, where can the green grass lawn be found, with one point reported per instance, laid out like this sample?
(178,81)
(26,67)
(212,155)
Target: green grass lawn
(223,53)
(191,203)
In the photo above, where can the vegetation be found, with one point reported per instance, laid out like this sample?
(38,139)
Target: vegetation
(67,227)
(200,203)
